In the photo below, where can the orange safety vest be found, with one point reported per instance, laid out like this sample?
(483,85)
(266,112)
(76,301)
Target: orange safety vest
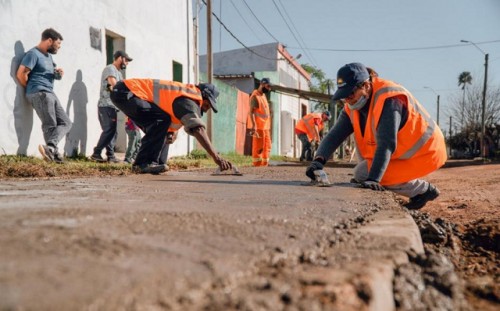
(306,125)
(163,93)
(262,114)
(420,146)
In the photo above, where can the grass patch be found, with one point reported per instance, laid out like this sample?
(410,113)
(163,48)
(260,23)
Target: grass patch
(30,167)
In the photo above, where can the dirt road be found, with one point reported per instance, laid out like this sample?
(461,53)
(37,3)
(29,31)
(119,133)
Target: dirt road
(190,241)
(468,215)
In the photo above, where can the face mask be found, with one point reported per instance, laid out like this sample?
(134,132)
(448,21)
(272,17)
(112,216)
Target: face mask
(123,66)
(359,104)
(265,90)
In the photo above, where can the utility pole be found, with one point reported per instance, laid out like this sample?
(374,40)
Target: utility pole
(483,103)
(437,113)
(209,62)
(450,136)
(437,121)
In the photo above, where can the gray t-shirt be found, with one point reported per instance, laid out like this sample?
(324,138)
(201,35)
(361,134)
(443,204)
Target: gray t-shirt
(109,71)
(188,112)
(41,76)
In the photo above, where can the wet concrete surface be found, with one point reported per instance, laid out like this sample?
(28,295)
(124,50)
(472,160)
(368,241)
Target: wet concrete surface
(192,241)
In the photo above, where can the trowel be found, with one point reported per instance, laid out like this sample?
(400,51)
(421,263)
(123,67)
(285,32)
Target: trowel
(320,181)
(232,172)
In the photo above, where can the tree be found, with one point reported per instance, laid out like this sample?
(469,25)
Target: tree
(468,106)
(463,79)
(319,83)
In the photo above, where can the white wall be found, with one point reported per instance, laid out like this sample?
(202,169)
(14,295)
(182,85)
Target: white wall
(290,107)
(156,33)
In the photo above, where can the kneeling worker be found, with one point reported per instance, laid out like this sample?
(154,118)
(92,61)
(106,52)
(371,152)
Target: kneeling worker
(157,105)
(398,141)
(308,130)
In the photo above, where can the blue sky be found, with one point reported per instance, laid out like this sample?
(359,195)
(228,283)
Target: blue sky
(321,25)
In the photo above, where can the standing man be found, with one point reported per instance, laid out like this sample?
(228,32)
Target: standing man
(308,130)
(398,141)
(37,73)
(159,105)
(260,124)
(107,111)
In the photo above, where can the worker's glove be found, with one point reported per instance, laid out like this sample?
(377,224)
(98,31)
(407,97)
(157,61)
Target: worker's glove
(223,164)
(315,165)
(374,185)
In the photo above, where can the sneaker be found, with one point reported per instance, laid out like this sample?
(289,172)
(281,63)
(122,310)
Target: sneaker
(154,169)
(419,201)
(97,158)
(113,160)
(47,154)
(129,161)
(58,158)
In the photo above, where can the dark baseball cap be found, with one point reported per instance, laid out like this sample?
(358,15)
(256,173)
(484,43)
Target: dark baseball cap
(265,81)
(122,54)
(210,92)
(348,77)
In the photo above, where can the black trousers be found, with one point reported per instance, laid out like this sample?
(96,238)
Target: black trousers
(108,119)
(153,121)
(306,153)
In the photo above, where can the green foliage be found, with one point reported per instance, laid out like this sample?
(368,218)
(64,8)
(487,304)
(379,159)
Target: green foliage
(319,83)
(198,154)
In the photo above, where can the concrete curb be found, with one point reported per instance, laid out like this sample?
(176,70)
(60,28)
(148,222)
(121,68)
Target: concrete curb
(389,225)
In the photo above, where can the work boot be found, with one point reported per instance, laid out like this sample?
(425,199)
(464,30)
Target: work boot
(97,158)
(46,152)
(113,159)
(419,201)
(58,158)
(152,168)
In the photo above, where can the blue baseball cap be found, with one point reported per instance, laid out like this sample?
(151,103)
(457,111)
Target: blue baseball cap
(265,81)
(210,92)
(348,77)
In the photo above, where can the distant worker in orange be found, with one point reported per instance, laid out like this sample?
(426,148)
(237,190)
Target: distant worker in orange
(260,124)
(308,130)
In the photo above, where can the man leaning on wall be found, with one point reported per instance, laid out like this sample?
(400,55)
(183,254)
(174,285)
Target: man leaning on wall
(37,73)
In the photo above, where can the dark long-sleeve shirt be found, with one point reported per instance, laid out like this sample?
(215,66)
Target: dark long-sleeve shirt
(393,118)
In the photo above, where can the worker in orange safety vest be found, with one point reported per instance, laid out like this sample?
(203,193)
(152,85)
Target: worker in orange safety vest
(309,130)
(260,124)
(159,105)
(396,138)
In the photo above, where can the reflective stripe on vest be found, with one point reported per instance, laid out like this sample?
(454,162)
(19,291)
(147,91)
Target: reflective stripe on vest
(163,93)
(174,90)
(157,86)
(431,125)
(307,124)
(420,147)
(262,114)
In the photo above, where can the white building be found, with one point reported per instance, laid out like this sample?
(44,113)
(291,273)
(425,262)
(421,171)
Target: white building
(157,34)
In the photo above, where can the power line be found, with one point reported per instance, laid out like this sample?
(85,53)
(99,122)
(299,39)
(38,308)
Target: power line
(301,42)
(258,20)
(238,40)
(244,20)
(398,49)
